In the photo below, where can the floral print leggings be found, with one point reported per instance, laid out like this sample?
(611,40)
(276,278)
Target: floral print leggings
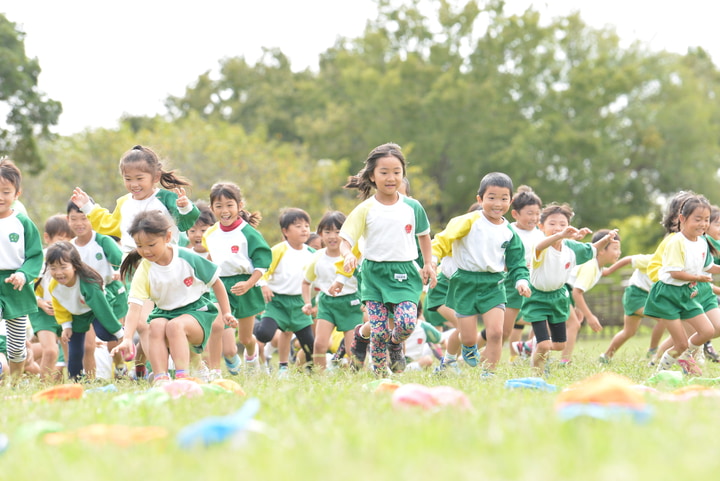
(405,318)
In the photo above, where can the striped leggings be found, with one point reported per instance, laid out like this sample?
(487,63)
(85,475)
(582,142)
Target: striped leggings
(16,338)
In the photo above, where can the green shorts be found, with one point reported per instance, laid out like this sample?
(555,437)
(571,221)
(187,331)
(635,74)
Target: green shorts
(287,312)
(203,310)
(670,302)
(14,304)
(472,293)
(390,282)
(40,321)
(550,306)
(437,295)
(706,298)
(3,345)
(345,312)
(634,300)
(117,297)
(249,304)
(514,299)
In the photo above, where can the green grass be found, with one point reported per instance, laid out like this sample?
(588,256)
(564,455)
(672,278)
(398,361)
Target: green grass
(327,427)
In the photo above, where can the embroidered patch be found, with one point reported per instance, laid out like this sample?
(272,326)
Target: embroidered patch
(14,237)
(98,256)
(189,281)
(408,228)
(235,249)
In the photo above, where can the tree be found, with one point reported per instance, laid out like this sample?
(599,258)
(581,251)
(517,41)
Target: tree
(30,113)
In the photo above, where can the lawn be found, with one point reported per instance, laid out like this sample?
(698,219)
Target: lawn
(328,427)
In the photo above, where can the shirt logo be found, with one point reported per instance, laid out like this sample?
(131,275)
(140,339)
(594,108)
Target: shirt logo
(408,228)
(235,249)
(189,281)
(98,256)
(567,266)
(14,237)
(505,245)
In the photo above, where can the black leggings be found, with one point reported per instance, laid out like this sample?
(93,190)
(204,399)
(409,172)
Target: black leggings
(76,348)
(558,332)
(266,328)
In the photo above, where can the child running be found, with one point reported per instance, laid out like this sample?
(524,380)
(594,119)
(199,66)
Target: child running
(176,280)
(282,290)
(484,247)
(79,302)
(391,280)
(21,258)
(554,258)
(675,297)
(343,310)
(243,256)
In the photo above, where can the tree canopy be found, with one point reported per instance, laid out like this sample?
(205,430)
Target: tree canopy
(29,112)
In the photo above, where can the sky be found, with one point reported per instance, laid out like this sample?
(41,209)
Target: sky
(104,59)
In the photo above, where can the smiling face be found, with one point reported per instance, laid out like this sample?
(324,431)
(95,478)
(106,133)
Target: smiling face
(226,210)
(63,272)
(387,177)
(528,217)
(331,237)
(495,203)
(154,248)
(80,225)
(195,235)
(139,183)
(696,223)
(8,195)
(554,223)
(713,229)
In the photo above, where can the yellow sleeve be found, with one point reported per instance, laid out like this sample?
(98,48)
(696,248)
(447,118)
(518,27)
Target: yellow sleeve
(674,256)
(656,261)
(310,274)
(457,228)
(278,250)
(587,276)
(641,261)
(103,222)
(354,226)
(62,315)
(140,287)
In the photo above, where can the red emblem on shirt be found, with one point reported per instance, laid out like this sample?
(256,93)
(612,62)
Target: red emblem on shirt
(567,266)
(188,281)
(408,228)
(235,249)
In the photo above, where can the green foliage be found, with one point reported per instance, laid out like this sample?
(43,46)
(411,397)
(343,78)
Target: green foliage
(272,175)
(471,89)
(29,112)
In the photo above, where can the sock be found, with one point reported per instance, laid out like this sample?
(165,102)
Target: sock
(216,372)
(449,357)
(233,360)
(181,373)
(251,358)
(282,364)
(162,376)
(140,371)
(666,361)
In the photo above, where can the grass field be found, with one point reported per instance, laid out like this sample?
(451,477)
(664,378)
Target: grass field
(328,427)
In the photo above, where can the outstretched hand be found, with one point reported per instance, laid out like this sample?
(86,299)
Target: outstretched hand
(182,200)
(79,197)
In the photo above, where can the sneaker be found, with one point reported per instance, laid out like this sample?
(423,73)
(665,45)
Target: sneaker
(565,362)
(603,359)
(340,353)
(521,349)
(651,353)
(487,375)
(397,357)
(203,372)
(471,355)
(283,372)
(233,365)
(710,352)
(252,364)
(699,356)
(690,367)
(449,367)
(358,348)
(160,380)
